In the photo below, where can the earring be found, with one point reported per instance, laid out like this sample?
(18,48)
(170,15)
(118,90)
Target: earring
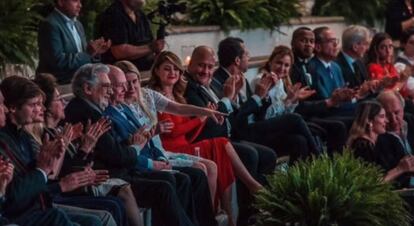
(370,126)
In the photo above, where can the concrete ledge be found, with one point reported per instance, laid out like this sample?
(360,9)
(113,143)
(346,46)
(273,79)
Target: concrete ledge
(295,21)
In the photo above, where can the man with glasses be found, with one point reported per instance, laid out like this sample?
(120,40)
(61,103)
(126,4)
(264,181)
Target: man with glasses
(326,74)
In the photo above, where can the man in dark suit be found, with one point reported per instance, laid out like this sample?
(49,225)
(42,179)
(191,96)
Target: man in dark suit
(312,110)
(355,42)
(326,74)
(259,160)
(62,42)
(92,89)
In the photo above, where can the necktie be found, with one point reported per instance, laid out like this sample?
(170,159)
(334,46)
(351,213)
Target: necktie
(329,71)
(358,75)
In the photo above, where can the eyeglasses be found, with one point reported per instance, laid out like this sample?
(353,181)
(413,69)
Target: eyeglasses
(332,40)
(120,84)
(106,85)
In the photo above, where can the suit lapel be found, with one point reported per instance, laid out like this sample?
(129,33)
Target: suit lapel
(64,28)
(82,35)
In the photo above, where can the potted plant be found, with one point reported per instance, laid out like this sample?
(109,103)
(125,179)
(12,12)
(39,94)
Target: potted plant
(338,190)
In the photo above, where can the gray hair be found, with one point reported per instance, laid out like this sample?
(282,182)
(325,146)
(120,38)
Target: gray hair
(352,35)
(385,96)
(88,73)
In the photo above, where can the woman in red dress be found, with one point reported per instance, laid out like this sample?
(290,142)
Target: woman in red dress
(166,78)
(381,62)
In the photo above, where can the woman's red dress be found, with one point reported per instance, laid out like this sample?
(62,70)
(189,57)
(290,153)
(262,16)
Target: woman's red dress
(180,140)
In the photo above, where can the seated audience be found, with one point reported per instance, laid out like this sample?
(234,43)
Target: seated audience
(143,105)
(395,147)
(326,73)
(380,59)
(312,110)
(92,89)
(369,123)
(355,43)
(79,148)
(62,42)
(33,206)
(278,65)
(190,183)
(258,159)
(294,139)
(166,78)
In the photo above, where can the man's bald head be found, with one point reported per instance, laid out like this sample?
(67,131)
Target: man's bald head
(119,84)
(202,64)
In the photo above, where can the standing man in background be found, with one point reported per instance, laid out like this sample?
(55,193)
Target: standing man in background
(128,27)
(62,42)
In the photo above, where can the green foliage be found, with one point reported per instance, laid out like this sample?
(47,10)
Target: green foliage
(331,191)
(354,11)
(17,33)
(243,14)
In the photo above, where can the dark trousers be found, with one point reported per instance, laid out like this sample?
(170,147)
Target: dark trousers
(161,197)
(201,194)
(53,217)
(181,184)
(259,160)
(111,204)
(288,134)
(336,133)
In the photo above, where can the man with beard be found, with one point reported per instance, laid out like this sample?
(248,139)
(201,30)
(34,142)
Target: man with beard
(126,25)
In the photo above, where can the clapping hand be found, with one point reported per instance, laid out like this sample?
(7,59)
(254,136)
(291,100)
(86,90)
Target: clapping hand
(98,46)
(6,174)
(93,133)
(49,154)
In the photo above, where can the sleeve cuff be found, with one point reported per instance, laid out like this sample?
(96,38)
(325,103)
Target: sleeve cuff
(257,99)
(43,173)
(227,102)
(150,164)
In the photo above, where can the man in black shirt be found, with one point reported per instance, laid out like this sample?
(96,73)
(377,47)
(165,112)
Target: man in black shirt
(126,25)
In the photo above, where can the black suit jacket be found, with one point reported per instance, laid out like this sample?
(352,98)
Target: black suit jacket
(297,74)
(354,79)
(219,78)
(195,95)
(243,109)
(28,184)
(109,154)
